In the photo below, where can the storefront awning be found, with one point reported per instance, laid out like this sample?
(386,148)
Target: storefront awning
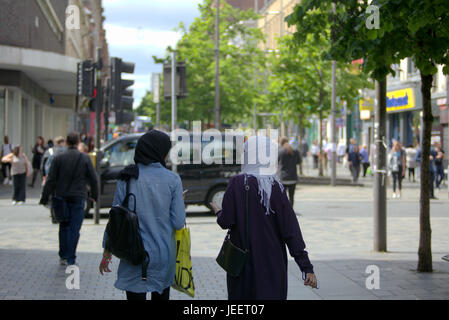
(54,72)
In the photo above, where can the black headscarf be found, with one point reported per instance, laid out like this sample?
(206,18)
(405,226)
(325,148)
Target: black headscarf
(152,147)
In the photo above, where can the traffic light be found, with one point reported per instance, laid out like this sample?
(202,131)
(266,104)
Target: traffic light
(85,79)
(180,81)
(121,95)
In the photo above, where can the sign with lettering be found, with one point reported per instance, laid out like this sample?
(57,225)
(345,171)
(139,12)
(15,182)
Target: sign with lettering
(398,100)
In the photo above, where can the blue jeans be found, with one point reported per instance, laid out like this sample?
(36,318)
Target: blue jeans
(69,232)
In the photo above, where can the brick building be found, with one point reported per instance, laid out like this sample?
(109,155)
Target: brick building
(38,65)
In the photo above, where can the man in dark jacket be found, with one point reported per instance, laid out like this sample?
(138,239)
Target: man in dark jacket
(69,175)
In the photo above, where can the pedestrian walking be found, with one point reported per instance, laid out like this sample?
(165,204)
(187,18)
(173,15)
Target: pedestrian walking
(397,162)
(20,170)
(272,225)
(439,168)
(160,211)
(365,159)
(341,151)
(354,161)
(433,156)
(38,152)
(410,155)
(6,166)
(50,154)
(288,159)
(68,177)
(315,151)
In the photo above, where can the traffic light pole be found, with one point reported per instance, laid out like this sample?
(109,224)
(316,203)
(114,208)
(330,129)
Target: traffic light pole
(173,103)
(99,108)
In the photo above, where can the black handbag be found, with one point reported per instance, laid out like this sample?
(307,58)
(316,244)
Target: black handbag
(232,258)
(59,205)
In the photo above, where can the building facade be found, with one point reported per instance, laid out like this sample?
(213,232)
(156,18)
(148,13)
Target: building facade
(41,43)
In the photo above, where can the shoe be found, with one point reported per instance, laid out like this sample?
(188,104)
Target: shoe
(19,203)
(433,198)
(394,195)
(31,186)
(5,181)
(399,195)
(10,182)
(445,258)
(14,203)
(63,262)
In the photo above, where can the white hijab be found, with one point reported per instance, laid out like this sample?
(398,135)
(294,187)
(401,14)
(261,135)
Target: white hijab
(260,160)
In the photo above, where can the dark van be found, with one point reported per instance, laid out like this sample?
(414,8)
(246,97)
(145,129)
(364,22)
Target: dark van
(205,181)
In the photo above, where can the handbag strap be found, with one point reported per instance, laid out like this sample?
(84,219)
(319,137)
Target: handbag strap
(125,202)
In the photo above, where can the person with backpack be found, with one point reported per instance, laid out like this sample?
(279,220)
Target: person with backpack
(160,210)
(262,223)
(70,173)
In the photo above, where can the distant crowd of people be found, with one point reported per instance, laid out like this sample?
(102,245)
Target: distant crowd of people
(16,167)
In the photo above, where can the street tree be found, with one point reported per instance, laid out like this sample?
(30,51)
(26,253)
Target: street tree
(417,29)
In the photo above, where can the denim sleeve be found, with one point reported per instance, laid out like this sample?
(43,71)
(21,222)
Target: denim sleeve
(177,206)
(118,199)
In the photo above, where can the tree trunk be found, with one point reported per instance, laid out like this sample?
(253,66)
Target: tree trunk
(320,158)
(300,137)
(425,251)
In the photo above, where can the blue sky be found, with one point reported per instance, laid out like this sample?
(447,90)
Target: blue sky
(136,30)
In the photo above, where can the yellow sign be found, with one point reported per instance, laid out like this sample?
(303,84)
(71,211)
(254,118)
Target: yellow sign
(400,100)
(366,104)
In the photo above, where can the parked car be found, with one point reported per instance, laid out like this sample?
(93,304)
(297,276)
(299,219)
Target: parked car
(206,182)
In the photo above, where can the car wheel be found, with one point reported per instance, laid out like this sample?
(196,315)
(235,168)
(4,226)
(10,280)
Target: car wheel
(216,197)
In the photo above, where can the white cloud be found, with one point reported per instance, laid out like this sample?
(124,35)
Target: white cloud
(132,37)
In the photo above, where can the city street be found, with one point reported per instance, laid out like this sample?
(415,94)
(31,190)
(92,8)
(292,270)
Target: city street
(336,223)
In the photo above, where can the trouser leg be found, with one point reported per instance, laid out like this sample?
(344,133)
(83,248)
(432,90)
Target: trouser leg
(132,296)
(76,220)
(164,296)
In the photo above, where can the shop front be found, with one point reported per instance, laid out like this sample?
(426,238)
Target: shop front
(403,116)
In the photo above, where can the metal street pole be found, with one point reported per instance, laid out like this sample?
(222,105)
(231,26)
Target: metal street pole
(173,93)
(99,108)
(174,110)
(333,119)
(217,68)
(380,176)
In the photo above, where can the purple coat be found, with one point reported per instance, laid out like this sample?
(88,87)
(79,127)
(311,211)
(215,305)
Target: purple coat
(265,273)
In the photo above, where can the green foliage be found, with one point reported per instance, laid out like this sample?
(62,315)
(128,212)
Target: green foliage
(240,57)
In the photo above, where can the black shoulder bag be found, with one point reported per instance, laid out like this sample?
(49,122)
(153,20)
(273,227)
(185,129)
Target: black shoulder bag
(232,258)
(59,204)
(123,236)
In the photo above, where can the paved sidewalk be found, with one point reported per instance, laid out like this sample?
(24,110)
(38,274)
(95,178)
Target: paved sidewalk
(36,275)
(336,224)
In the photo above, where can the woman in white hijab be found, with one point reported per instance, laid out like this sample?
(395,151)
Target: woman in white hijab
(272,226)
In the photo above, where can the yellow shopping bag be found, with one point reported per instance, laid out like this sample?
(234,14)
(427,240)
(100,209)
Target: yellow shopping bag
(184,274)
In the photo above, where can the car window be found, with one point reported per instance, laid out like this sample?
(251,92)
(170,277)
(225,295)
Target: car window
(121,154)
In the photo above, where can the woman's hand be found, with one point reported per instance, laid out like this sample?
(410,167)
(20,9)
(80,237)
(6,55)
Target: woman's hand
(104,264)
(311,280)
(214,207)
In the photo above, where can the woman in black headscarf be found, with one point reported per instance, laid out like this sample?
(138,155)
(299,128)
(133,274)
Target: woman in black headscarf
(160,210)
